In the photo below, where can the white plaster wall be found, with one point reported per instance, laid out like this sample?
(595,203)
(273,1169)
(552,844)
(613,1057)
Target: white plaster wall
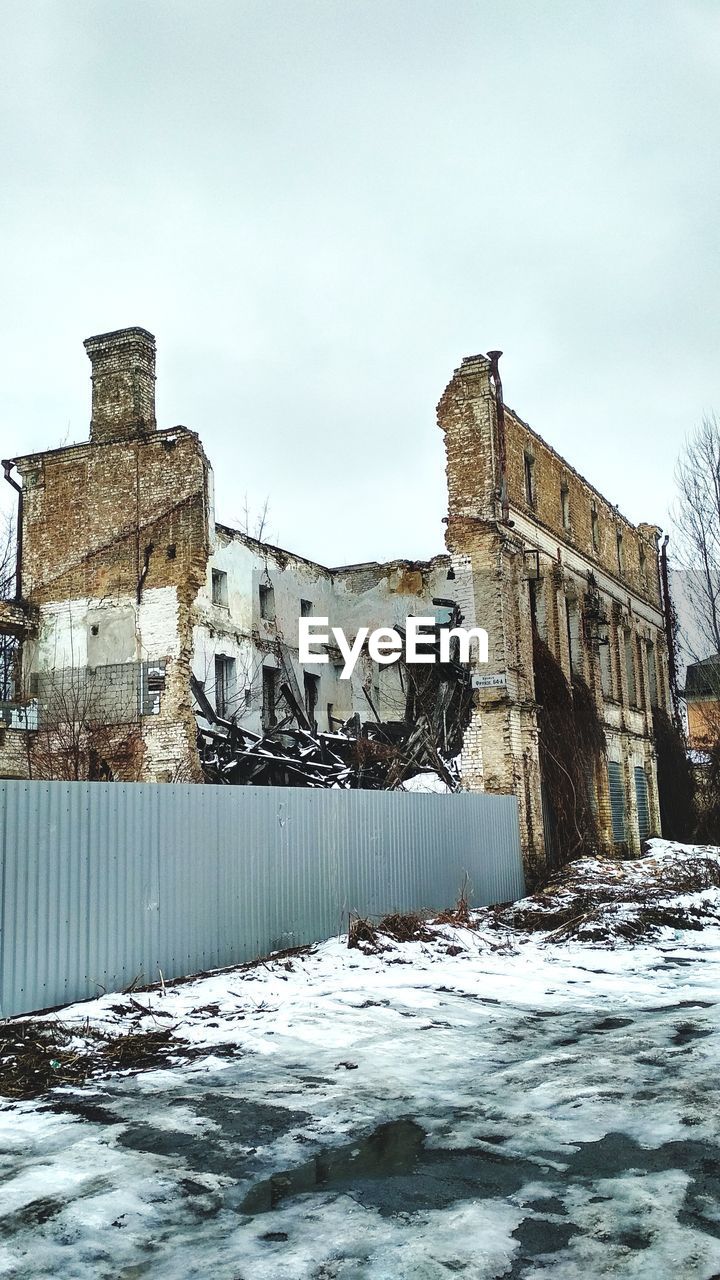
(348,598)
(385,603)
(62,636)
(157,624)
(207,644)
(64,627)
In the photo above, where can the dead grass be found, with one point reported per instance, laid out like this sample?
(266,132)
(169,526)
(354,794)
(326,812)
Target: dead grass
(37,1056)
(362,934)
(405,928)
(460,914)
(366,936)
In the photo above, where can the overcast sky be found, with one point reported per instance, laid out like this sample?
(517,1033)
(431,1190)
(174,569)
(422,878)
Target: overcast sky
(319,208)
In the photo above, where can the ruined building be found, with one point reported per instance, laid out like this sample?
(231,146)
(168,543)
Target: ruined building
(550,565)
(136,608)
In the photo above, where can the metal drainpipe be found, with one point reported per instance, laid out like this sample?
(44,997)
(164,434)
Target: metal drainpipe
(669,632)
(8,465)
(494,358)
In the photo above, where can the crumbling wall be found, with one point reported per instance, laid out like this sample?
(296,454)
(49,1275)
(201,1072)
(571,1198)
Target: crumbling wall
(13,753)
(585,510)
(536,546)
(229,623)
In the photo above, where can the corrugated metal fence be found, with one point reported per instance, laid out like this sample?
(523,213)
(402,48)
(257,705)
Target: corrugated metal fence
(102,883)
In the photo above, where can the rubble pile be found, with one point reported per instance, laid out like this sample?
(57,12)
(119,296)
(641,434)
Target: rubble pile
(370,754)
(365,755)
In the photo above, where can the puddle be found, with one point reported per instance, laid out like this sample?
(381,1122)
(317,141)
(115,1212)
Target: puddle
(394,1171)
(239,1130)
(227,1137)
(687,1032)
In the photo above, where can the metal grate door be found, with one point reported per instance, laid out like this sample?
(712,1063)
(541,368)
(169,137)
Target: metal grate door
(643,806)
(618,805)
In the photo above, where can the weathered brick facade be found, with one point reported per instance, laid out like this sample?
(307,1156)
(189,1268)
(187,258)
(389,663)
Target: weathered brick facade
(120,561)
(123,384)
(115,548)
(519,514)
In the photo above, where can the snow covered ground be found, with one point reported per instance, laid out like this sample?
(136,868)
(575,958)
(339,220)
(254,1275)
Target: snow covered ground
(485,1103)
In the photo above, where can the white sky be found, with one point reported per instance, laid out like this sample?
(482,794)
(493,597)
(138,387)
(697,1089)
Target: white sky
(320,208)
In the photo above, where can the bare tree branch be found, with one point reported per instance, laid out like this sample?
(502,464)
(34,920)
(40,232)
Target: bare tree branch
(8,644)
(696,516)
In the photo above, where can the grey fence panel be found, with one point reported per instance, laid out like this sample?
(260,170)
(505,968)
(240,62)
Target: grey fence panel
(102,884)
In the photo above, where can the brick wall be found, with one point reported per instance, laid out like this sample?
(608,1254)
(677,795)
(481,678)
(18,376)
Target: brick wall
(560,490)
(123,384)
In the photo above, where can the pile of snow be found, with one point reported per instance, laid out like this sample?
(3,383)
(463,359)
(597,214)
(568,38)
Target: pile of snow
(604,900)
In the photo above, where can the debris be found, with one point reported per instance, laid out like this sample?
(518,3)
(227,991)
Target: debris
(400,927)
(373,754)
(405,928)
(36,1056)
(362,935)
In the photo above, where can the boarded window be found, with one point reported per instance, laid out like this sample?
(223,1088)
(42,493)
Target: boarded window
(267,602)
(224,685)
(618,807)
(219,588)
(643,805)
(269,696)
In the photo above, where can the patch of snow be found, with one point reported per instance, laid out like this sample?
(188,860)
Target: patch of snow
(561,1096)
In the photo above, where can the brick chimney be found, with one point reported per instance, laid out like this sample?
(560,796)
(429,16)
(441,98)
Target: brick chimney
(123,384)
